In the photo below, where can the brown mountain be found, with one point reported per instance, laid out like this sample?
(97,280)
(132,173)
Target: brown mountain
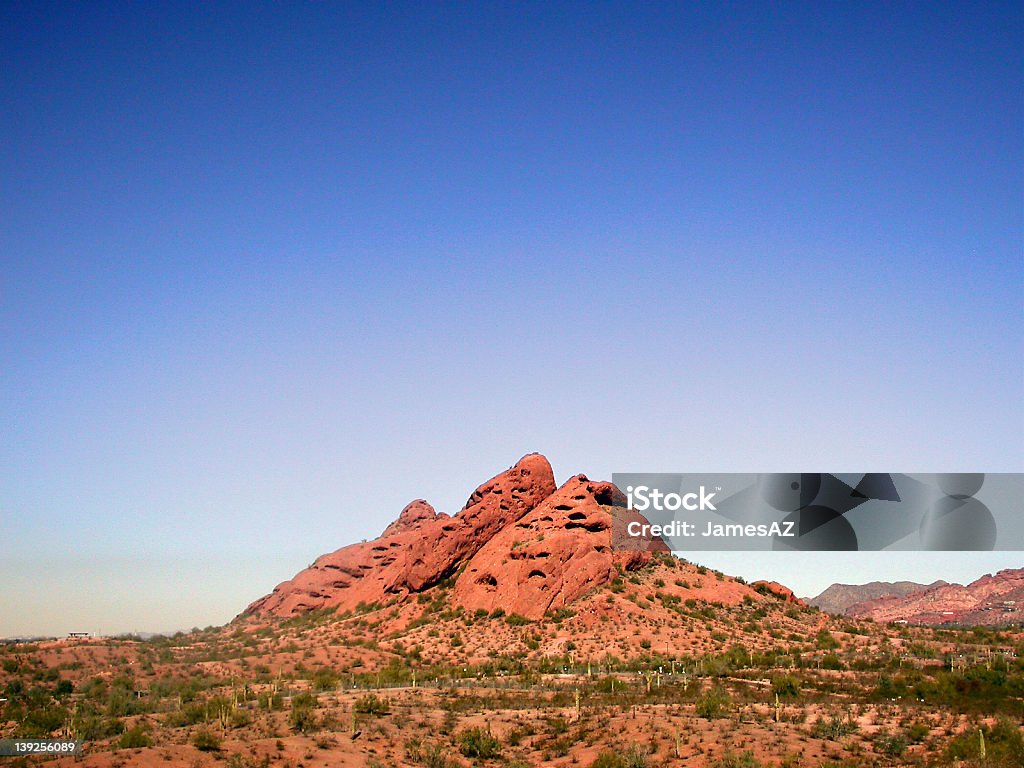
(518,544)
(991,600)
(839,598)
(994,599)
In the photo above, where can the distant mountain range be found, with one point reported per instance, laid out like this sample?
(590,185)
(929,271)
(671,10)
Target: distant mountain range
(991,600)
(839,598)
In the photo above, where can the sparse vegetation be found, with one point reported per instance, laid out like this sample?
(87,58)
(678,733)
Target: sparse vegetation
(717,672)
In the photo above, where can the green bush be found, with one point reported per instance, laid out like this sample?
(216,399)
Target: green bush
(135,738)
(608,759)
(737,760)
(478,743)
(786,686)
(834,728)
(89,726)
(917,732)
(325,680)
(302,717)
(205,741)
(714,703)
(40,722)
(892,744)
(831,661)
(1004,744)
(371,704)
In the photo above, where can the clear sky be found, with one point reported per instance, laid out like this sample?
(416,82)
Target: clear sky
(268,271)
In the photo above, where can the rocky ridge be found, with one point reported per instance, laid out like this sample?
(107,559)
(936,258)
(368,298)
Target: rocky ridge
(994,599)
(519,543)
(839,598)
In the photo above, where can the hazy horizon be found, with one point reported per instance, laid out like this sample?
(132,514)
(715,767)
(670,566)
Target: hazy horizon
(270,271)
(806,574)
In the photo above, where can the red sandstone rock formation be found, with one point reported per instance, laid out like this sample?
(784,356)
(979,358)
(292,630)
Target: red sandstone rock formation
(780,591)
(552,555)
(415,552)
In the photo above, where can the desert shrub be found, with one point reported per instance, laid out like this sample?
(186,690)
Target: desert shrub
(476,742)
(737,760)
(634,757)
(557,725)
(433,756)
(269,701)
(371,704)
(557,748)
(608,759)
(205,741)
(831,661)
(714,703)
(834,728)
(135,738)
(826,641)
(1004,744)
(240,718)
(786,686)
(515,620)
(191,714)
(324,680)
(89,726)
(892,744)
(302,717)
(917,732)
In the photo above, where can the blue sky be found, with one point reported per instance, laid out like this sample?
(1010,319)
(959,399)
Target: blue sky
(269,271)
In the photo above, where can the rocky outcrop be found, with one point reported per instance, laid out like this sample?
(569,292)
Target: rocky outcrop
(415,513)
(552,555)
(780,591)
(415,552)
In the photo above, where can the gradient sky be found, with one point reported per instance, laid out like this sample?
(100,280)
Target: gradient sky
(270,271)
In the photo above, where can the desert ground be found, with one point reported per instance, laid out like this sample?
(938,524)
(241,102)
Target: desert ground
(668,664)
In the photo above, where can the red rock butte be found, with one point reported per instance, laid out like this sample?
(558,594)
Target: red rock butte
(519,543)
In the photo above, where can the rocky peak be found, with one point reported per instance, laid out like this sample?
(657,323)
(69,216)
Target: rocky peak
(415,513)
(550,556)
(416,551)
